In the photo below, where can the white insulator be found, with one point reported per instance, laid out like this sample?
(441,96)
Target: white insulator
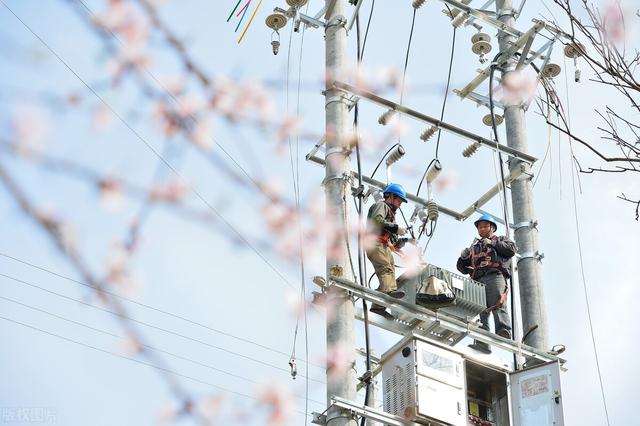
(470,150)
(386,117)
(428,134)
(432,210)
(417,4)
(275,46)
(423,215)
(395,155)
(578,72)
(433,171)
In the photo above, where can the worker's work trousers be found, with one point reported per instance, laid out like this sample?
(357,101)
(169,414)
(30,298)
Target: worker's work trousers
(494,285)
(382,260)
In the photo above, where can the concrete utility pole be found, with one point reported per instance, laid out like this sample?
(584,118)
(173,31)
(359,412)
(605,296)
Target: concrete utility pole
(340,306)
(526,235)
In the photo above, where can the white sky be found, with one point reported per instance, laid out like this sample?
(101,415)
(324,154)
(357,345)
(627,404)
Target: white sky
(197,271)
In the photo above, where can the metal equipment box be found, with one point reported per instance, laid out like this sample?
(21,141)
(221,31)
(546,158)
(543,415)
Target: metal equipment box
(423,382)
(470,295)
(429,384)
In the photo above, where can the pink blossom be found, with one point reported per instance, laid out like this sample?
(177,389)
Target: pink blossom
(209,407)
(411,259)
(279,402)
(29,129)
(126,20)
(447,181)
(340,360)
(131,345)
(517,87)
(172,191)
(167,414)
(201,134)
(173,84)
(102,118)
(111,194)
(613,24)
(289,128)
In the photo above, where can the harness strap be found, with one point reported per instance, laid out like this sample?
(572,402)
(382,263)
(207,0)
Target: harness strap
(500,302)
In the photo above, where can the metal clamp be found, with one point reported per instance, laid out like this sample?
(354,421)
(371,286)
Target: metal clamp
(337,150)
(533,224)
(343,98)
(336,21)
(530,255)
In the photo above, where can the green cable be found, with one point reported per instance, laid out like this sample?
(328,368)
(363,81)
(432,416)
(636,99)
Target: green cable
(233,11)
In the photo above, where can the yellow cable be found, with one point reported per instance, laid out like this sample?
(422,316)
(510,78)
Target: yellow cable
(250,21)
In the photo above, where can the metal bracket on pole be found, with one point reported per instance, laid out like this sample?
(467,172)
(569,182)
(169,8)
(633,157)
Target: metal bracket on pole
(502,58)
(483,16)
(340,176)
(309,21)
(354,16)
(480,99)
(350,100)
(316,147)
(529,255)
(533,224)
(493,191)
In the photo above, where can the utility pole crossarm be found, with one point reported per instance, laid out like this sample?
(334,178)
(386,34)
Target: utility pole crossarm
(434,121)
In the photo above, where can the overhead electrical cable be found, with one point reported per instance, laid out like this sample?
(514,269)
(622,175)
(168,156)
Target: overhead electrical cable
(146,324)
(154,308)
(166,370)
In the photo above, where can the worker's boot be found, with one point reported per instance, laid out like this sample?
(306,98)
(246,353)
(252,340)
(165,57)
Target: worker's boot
(381,310)
(396,294)
(481,347)
(504,333)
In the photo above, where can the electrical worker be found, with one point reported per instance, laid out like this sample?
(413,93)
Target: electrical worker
(488,261)
(381,222)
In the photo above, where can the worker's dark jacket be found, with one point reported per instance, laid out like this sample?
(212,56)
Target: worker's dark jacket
(381,221)
(485,259)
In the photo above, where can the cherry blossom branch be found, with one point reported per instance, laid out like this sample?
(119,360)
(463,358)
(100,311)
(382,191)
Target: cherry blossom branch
(57,231)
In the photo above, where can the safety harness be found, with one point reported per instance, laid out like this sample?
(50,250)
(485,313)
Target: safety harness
(485,257)
(385,236)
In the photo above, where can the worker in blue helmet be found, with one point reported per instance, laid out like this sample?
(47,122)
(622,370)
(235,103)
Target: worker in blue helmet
(488,260)
(382,226)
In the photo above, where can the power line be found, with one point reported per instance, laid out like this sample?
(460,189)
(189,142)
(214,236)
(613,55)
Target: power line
(296,187)
(166,370)
(153,308)
(174,333)
(183,358)
(574,173)
(152,149)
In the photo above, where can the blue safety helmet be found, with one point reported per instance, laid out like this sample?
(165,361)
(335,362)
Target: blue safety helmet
(487,218)
(397,190)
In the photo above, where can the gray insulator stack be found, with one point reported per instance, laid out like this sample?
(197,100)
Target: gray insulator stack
(428,134)
(432,210)
(417,4)
(470,150)
(386,116)
(395,155)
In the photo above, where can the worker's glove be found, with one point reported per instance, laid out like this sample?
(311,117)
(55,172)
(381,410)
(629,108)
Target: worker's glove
(487,241)
(465,253)
(401,242)
(402,231)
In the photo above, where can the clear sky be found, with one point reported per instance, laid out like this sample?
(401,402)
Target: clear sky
(216,254)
